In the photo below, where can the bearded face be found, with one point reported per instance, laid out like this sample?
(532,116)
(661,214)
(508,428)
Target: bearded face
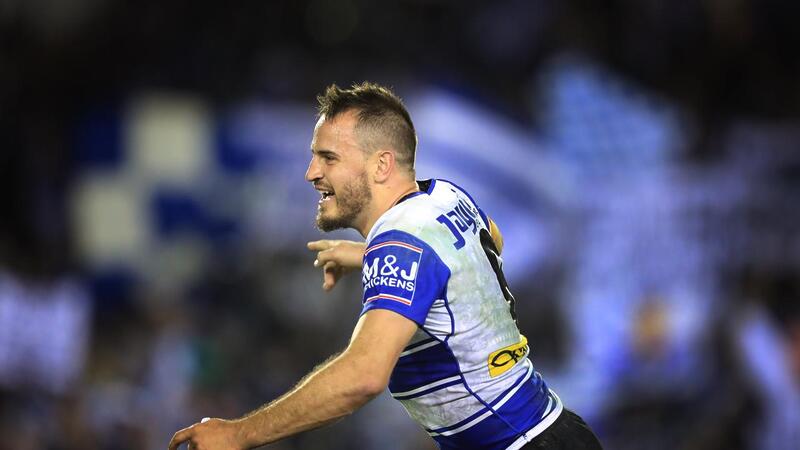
(338,170)
(340,208)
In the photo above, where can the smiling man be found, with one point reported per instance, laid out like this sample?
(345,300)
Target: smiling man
(438,326)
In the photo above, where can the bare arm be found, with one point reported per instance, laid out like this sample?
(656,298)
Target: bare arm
(333,390)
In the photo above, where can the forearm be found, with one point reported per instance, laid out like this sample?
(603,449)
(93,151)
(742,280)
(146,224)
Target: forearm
(335,389)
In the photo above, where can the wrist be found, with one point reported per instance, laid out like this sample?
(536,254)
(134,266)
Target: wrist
(245,434)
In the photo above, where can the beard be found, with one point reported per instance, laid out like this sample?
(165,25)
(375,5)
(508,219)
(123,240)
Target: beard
(350,200)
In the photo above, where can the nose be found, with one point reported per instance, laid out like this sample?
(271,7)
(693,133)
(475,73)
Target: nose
(313,172)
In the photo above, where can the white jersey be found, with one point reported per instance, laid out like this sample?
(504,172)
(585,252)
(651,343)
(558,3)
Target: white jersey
(465,376)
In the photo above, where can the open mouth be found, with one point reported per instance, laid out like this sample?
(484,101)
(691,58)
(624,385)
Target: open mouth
(326,195)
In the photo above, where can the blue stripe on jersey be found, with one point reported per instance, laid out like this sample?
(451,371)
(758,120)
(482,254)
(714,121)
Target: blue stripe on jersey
(523,410)
(409,196)
(423,368)
(431,388)
(491,434)
(517,384)
(418,344)
(432,185)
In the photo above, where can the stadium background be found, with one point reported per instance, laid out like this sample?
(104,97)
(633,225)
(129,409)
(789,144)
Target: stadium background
(640,156)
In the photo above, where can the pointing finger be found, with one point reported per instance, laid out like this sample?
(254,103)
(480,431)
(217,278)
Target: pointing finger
(322,244)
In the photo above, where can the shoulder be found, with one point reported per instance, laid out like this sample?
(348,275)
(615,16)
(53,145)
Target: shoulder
(412,222)
(451,192)
(433,216)
(437,197)
(416,217)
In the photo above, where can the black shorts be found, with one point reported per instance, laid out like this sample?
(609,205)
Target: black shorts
(568,432)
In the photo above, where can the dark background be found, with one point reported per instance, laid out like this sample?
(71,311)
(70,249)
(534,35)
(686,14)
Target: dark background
(642,158)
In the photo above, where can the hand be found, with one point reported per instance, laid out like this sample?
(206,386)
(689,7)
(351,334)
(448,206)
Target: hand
(337,258)
(210,434)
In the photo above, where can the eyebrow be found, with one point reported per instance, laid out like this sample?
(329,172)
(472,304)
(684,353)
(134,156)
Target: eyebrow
(323,152)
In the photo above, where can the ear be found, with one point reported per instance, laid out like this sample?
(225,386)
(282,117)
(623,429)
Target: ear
(384,165)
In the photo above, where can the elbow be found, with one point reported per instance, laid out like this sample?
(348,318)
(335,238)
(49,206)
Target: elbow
(368,381)
(371,386)
(359,395)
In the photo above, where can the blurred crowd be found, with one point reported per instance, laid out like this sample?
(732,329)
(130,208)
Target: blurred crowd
(639,156)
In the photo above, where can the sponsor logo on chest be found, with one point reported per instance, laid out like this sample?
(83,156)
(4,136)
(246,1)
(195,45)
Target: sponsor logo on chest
(502,360)
(391,268)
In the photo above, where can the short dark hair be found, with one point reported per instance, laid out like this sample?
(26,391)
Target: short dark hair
(382,117)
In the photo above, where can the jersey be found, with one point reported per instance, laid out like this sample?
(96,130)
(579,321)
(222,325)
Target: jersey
(465,376)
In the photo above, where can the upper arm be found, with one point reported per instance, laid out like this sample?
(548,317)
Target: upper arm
(402,276)
(497,237)
(378,339)
(402,273)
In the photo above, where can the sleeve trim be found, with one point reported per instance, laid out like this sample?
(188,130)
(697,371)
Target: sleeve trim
(387,297)
(397,243)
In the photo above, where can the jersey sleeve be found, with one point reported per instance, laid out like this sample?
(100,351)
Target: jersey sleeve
(403,274)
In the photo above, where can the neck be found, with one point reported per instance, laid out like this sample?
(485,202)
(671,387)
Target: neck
(383,200)
(410,190)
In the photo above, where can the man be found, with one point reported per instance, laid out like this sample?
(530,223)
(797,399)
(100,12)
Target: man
(438,324)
